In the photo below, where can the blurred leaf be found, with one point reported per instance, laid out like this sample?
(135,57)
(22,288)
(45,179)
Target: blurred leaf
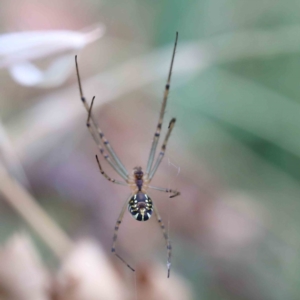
(18,49)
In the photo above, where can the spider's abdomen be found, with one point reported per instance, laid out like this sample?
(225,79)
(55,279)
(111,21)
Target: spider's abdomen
(140,206)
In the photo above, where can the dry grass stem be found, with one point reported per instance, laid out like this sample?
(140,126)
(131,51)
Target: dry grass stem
(26,206)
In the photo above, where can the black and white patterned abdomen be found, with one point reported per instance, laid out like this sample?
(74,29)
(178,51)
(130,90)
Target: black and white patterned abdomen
(140,206)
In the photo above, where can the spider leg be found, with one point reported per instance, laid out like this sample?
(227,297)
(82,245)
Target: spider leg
(173,192)
(168,242)
(103,139)
(106,156)
(106,176)
(163,149)
(113,249)
(162,112)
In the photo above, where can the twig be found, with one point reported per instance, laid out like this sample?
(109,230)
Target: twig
(27,207)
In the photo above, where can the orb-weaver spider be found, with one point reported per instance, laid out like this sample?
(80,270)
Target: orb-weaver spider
(139,203)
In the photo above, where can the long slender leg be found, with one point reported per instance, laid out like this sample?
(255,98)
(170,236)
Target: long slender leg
(163,149)
(106,156)
(100,133)
(173,192)
(162,112)
(113,249)
(106,176)
(168,242)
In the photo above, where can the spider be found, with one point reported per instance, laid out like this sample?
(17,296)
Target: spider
(139,203)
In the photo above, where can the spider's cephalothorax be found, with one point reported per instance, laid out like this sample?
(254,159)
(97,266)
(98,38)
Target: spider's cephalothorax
(138,178)
(139,203)
(140,206)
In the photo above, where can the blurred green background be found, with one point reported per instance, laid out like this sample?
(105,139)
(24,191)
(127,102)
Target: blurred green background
(234,153)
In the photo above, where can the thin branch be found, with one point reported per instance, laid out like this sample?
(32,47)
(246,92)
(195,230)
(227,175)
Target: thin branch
(27,207)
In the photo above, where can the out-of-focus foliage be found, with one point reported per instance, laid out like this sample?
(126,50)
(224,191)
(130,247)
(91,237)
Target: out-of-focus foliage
(19,49)
(235,93)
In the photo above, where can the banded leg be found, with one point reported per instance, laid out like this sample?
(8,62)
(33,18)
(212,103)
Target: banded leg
(163,149)
(100,133)
(106,176)
(113,249)
(162,112)
(106,156)
(173,192)
(168,242)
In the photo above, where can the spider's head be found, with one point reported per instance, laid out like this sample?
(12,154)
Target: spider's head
(138,173)
(140,206)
